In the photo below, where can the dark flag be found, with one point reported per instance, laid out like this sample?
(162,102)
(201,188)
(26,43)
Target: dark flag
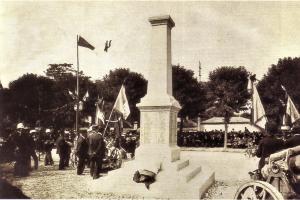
(82,42)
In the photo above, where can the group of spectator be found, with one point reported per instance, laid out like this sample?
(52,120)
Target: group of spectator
(22,143)
(236,139)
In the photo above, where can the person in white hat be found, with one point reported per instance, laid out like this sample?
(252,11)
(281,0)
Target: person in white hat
(23,150)
(20,126)
(48,145)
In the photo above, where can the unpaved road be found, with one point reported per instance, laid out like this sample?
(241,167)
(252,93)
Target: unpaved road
(231,170)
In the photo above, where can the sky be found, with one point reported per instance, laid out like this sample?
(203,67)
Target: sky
(251,34)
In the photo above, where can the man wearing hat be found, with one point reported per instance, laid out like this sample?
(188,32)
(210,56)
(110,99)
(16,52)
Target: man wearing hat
(96,150)
(22,151)
(48,145)
(269,144)
(82,148)
(62,150)
(32,142)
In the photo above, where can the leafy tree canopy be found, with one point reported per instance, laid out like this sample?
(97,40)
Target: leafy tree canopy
(135,86)
(227,90)
(287,73)
(188,91)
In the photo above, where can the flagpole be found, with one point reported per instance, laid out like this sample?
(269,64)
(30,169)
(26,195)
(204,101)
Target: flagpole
(77,88)
(108,121)
(252,109)
(111,111)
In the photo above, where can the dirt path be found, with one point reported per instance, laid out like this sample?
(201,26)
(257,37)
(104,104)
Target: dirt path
(231,170)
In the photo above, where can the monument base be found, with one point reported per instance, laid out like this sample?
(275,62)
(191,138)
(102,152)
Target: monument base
(178,179)
(161,152)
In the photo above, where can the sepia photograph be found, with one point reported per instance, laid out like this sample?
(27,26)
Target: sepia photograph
(150,100)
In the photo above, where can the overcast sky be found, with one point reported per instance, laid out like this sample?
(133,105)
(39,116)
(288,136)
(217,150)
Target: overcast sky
(250,34)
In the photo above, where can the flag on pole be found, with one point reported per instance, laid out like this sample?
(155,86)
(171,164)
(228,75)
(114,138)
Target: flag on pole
(259,114)
(284,120)
(283,88)
(100,116)
(71,94)
(86,96)
(249,85)
(291,111)
(82,42)
(121,105)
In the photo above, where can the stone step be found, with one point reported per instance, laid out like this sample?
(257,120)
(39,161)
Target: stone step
(180,164)
(189,172)
(194,189)
(201,183)
(176,165)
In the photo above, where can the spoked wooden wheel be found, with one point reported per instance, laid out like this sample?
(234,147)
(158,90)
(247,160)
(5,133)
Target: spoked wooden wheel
(258,190)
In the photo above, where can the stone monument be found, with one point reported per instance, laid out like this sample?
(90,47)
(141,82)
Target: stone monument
(158,126)
(178,177)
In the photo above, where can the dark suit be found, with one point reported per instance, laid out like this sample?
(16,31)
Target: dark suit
(293,141)
(62,151)
(82,153)
(266,147)
(32,152)
(48,145)
(96,153)
(22,154)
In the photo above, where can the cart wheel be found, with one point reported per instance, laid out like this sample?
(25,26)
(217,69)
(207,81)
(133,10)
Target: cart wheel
(258,190)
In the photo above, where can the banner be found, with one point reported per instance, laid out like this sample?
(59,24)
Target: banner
(259,114)
(121,105)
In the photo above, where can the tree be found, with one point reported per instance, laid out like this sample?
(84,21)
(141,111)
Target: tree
(65,79)
(287,73)
(28,96)
(135,86)
(227,93)
(60,71)
(189,93)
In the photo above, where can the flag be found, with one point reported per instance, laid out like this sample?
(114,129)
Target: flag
(121,105)
(283,88)
(291,111)
(249,85)
(100,116)
(259,114)
(86,96)
(71,94)
(284,120)
(82,42)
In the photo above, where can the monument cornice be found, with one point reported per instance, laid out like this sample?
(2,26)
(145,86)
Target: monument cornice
(162,107)
(162,20)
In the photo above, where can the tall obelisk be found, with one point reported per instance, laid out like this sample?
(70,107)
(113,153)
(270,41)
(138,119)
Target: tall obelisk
(159,109)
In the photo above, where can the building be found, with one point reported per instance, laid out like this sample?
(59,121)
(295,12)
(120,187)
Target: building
(236,124)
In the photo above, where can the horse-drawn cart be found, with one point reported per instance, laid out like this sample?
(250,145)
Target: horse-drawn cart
(280,178)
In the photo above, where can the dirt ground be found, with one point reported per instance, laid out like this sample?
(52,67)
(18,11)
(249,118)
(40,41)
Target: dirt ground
(231,170)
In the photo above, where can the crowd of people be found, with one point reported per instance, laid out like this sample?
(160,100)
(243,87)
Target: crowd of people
(236,139)
(90,148)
